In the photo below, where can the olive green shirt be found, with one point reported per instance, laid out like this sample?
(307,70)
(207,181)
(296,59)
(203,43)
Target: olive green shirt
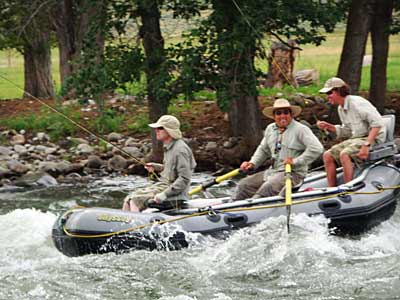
(178,168)
(358,116)
(297,141)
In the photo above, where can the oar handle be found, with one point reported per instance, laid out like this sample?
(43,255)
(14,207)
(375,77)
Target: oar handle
(215,181)
(227,175)
(288,184)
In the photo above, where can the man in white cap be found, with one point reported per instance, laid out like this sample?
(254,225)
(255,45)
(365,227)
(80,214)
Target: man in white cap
(285,142)
(362,125)
(176,170)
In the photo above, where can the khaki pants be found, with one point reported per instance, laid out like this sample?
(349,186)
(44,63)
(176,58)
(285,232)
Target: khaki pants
(254,186)
(141,196)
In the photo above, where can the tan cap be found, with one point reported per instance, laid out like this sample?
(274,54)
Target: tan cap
(281,103)
(170,124)
(331,84)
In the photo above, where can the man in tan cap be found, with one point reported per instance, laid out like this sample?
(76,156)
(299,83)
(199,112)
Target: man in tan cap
(285,142)
(362,125)
(176,170)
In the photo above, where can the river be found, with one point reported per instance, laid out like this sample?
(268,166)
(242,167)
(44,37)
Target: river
(260,262)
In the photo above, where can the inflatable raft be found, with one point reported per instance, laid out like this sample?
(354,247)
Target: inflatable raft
(352,208)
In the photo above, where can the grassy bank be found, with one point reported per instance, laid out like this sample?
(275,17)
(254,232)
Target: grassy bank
(324,58)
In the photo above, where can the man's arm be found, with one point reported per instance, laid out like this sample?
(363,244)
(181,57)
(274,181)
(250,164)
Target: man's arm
(313,146)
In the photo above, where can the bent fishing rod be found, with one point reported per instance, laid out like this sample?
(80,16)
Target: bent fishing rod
(75,123)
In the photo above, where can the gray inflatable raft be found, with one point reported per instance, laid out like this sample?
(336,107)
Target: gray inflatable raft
(353,208)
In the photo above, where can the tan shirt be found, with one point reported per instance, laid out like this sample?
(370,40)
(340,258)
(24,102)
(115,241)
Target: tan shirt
(179,165)
(358,116)
(297,141)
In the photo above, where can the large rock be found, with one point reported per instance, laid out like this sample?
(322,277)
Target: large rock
(134,151)
(36,179)
(131,142)
(74,168)
(307,77)
(54,168)
(94,162)
(20,149)
(114,137)
(117,163)
(84,149)
(4,151)
(17,167)
(18,139)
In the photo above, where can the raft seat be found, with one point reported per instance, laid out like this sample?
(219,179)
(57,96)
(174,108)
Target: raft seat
(388,148)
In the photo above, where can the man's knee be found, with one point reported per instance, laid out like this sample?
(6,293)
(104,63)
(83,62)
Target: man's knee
(344,157)
(328,157)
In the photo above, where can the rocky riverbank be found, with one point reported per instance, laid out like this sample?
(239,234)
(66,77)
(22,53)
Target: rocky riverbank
(32,159)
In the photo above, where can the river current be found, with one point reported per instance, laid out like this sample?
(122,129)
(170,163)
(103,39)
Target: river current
(260,262)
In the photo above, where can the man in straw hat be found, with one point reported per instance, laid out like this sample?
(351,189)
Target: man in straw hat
(285,142)
(361,124)
(176,170)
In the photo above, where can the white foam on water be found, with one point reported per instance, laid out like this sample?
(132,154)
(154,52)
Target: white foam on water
(25,228)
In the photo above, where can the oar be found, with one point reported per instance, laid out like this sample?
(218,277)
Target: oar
(288,193)
(215,181)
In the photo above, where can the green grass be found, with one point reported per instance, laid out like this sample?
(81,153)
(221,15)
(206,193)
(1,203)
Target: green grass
(325,58)
(54,124)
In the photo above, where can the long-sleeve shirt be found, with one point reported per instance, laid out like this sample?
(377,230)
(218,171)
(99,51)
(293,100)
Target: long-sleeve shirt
(297,141)
(358,116)
(179,165)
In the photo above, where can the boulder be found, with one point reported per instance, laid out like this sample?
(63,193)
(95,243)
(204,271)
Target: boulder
(84,149)
(18,139)
(4,151)
(117,163)
(36,179)
(114,137)
(17,167)
(94,162)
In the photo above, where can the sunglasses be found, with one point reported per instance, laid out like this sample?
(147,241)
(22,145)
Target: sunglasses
(282,111)
(159,128)
(330,92)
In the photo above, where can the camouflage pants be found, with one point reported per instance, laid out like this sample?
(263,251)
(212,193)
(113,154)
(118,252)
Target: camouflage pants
(351,147)
(141,196)
(254,186)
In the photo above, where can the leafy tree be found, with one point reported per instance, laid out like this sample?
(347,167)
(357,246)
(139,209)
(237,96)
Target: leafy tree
(25,27)
(364,17)
(223,48)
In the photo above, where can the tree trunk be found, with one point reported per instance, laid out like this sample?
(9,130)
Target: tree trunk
(153,44)
(380,47)
(281,65)
(37,66)
(238,84)
(358,25)
(64,22)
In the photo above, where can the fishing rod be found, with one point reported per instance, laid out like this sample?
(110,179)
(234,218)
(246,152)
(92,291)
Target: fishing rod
(76,123)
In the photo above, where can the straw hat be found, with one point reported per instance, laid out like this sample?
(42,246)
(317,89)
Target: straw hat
(331,84)
(170,124)
(279,104)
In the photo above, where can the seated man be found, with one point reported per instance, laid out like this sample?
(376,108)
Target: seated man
(285,142)
(361,124)
(176,172)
